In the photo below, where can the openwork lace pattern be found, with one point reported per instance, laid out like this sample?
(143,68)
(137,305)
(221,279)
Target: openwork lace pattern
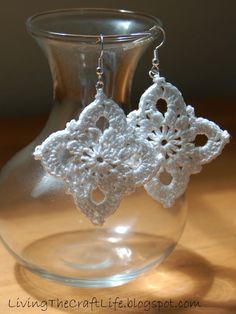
(93,161)
(172,134)
(100,165)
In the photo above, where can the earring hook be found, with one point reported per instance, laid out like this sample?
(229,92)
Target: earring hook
(100,59)
(155,61)
(99,71)
(163,37)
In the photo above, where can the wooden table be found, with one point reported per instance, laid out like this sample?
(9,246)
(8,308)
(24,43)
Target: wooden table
(202,268)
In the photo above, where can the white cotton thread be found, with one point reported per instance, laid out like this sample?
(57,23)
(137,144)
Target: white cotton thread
(87,158)
(172,135)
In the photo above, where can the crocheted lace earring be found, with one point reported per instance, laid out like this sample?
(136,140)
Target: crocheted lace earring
(173,134)
(98,154)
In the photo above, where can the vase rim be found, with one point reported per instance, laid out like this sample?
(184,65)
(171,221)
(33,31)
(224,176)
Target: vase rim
(38,30)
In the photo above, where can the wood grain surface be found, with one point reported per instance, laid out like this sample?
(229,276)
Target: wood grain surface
(201,269)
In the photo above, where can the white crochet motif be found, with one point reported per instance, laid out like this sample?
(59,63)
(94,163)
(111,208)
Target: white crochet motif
(88,159)
(148,148)
(173,134)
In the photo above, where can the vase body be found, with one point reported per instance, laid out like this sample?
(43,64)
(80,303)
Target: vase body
(39,223)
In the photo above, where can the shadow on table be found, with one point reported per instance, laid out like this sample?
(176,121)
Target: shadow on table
(184,277)
(211,195)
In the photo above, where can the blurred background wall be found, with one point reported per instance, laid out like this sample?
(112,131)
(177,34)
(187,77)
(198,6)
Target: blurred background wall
(199,54)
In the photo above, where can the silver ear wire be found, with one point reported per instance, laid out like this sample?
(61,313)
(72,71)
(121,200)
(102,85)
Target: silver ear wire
(155,61)
(99,71)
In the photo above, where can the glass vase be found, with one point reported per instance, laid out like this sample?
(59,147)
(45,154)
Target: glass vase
(39,223)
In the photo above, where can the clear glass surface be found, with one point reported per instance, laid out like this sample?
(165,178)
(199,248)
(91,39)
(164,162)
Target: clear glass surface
(39,223)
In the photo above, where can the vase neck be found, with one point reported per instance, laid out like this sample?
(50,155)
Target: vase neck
(70,41)
(73,67)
